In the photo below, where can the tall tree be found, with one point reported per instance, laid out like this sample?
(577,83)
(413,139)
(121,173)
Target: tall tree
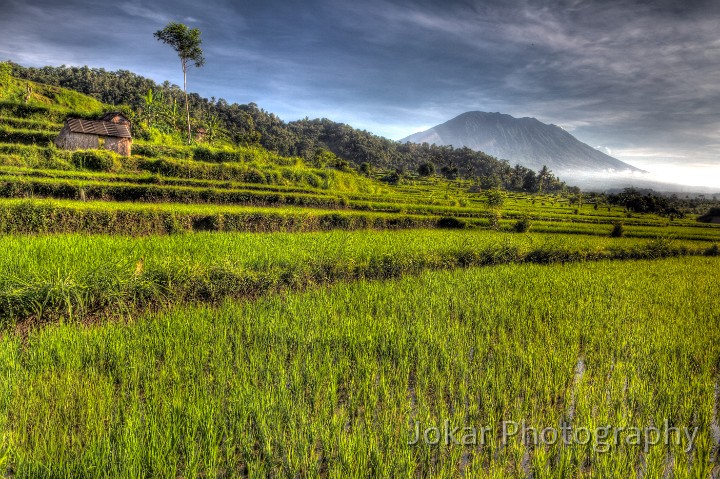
(544,177)
(186,42)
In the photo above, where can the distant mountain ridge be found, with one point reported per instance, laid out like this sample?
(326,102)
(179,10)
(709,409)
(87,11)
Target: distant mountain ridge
(526,141)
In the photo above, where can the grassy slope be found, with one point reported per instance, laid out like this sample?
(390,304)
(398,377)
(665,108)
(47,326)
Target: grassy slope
(49,98)
(29,123)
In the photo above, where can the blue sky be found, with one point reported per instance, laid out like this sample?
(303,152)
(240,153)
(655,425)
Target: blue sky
(640,79)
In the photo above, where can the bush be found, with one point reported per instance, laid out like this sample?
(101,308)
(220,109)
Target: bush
(522,225)
(495,221)
(157,151)
(391,178)
(618,230)
(495,198)
(450,222)
(426,169)
(661,247)
(202,153)
(710,215)
(254,175)
(96,160)
(5,74)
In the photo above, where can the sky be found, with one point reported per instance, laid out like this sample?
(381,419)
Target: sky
(638,79)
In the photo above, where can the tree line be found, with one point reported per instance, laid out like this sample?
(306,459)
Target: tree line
(319,141)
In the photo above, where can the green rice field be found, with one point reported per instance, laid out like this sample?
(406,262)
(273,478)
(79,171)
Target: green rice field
(219,311)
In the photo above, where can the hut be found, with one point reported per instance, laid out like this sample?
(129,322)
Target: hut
(111,132)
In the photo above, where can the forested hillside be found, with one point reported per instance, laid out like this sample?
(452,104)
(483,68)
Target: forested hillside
(320,141)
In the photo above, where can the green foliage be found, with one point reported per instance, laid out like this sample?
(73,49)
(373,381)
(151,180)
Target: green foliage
(450,222)
(366,168)
(494,220)
(262,263)
(392,178)
(45,216)
(185,41)
(522,225)
(618,230)
(5,74)
(495,198)
(250,125)
(96,160)
(712,214)
(426,169)
(21,135)
(645,202)
(31,156)
(201,153)
(323,157)
(162,151)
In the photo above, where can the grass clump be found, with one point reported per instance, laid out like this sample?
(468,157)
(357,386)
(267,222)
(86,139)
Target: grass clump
(96,160)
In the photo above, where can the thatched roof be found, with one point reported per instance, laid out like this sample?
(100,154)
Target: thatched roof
(101,128)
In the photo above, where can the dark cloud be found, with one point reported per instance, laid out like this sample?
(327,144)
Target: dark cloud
(638,77)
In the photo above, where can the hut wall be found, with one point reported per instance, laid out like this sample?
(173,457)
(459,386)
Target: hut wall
(121,146)
(76,141)
(83,141)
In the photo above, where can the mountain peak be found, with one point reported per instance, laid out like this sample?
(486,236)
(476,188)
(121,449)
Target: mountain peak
(526,141)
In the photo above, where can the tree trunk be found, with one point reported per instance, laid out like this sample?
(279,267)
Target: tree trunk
(187,104)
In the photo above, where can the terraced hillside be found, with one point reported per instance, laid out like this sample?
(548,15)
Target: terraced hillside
(217,310)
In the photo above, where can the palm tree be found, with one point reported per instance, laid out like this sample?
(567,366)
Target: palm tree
(544,177)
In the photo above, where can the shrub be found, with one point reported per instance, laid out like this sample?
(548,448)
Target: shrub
(495,221)
(522,225)
(450,222)
(96,160)
(254,175)
(202,153)
(661,247)
(157,151)
(618,230)
(391,178)
(426,169)
(708,217)
(495,198)
(5,71)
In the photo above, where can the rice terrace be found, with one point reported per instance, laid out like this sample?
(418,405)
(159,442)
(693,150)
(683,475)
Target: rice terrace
(192,288)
